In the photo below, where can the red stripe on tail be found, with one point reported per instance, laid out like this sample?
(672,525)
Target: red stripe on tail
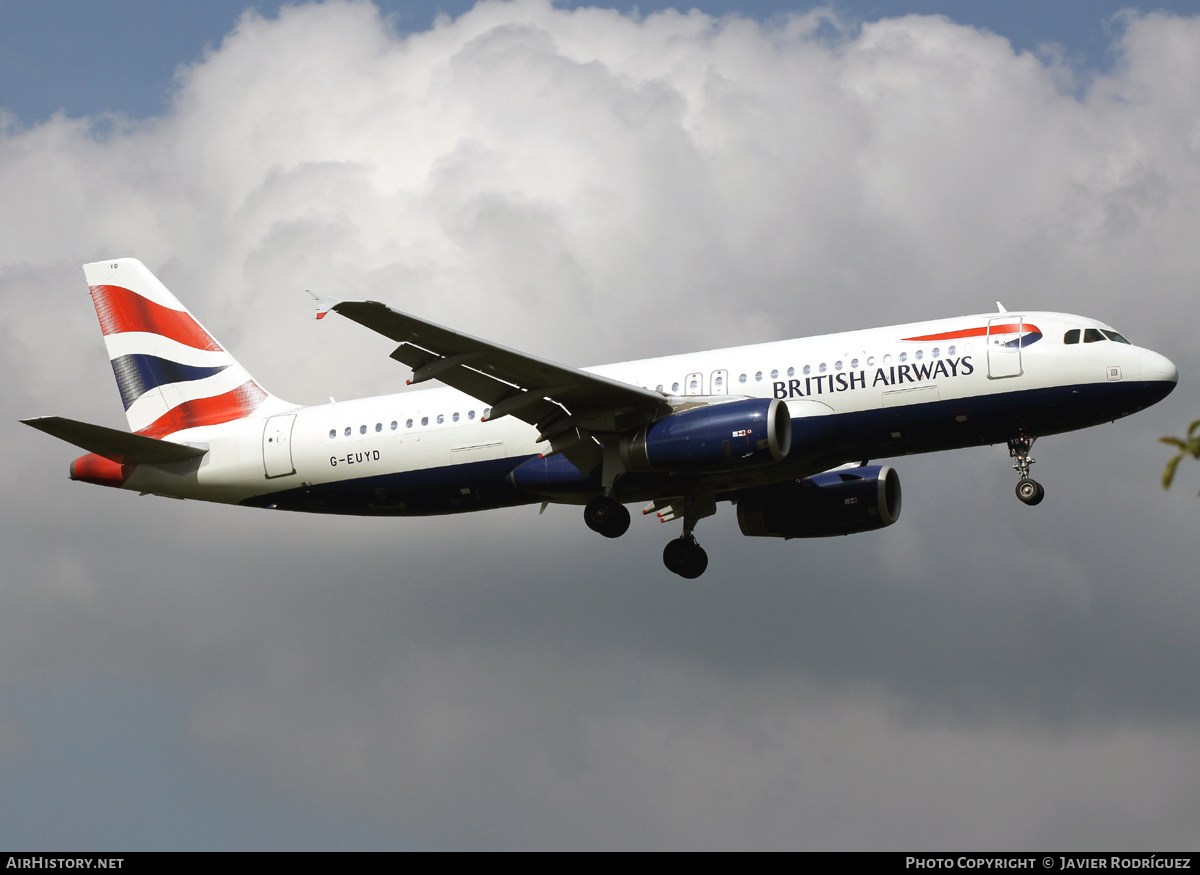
(235,404)
(120,310)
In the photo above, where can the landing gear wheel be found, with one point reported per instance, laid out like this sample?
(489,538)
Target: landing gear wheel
(607,516)
(1030,491)
(685,557)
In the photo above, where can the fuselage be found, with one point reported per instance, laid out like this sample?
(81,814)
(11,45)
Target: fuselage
(856,395)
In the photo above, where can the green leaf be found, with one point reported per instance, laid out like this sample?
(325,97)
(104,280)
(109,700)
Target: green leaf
(1169,473)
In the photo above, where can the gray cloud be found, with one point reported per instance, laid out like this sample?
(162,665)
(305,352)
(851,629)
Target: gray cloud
(591,186)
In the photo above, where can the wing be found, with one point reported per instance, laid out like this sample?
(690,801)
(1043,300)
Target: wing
(572,409)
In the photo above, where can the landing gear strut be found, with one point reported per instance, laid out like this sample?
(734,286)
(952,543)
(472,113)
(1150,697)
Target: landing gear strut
(1028,490)
(684,556)
(607,516)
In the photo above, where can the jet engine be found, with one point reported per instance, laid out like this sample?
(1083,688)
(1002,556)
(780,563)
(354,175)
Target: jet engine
(833,503)
(716,437)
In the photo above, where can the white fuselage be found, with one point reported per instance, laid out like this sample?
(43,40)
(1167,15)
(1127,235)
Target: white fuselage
(880,381)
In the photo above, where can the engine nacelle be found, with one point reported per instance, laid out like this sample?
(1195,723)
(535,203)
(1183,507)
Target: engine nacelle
(717,437)
(833,503)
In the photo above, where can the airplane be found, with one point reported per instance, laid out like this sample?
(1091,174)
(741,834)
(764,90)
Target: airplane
(783,430)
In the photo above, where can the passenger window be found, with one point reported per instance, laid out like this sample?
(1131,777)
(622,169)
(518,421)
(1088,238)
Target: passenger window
(441,419)
(408,423)
(1071,336)
(424,420)
(378,427)
(348,430)
(1091,335)
(332,433)
(455,417)
(394,425)
(362,429)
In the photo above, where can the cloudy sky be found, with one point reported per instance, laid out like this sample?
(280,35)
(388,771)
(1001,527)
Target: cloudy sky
(595,185)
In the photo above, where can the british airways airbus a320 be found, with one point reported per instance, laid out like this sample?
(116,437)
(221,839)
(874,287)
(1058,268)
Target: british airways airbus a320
(779,429)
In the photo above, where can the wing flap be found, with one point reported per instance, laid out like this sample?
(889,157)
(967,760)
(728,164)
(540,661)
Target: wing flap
(572,409)
(119,446)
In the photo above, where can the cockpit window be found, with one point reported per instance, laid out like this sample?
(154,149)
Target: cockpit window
(1071,336)
(1112,335)
(1092,335)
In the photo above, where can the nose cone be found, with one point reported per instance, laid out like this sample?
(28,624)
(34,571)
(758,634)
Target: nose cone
(1159,376)
(1159,368)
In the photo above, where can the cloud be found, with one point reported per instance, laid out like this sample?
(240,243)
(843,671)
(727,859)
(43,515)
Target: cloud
(594,186)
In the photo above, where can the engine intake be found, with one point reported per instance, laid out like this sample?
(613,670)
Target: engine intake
(716,437)
(833,503)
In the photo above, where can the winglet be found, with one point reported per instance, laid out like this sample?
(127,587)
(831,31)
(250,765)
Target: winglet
(1000,308)
(325,303)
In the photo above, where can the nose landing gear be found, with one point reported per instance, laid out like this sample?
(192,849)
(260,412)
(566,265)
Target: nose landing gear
(1028,489)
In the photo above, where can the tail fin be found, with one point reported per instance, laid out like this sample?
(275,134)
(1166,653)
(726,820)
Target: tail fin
(171,372)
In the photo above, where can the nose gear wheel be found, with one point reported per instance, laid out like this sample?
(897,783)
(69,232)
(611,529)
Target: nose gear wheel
(1028,489)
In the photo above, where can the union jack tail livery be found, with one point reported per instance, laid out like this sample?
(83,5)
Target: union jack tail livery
(172,374)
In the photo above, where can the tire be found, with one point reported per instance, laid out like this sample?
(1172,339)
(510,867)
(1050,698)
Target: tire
(685,557)
(1030,492)
(606,516)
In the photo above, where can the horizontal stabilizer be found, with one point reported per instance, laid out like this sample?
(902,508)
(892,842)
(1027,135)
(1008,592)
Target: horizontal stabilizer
(119,446)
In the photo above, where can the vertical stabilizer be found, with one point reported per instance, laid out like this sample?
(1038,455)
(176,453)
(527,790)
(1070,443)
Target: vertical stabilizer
(171,372)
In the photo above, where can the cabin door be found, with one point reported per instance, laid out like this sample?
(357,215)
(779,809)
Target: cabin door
(277,446)
(1004,347)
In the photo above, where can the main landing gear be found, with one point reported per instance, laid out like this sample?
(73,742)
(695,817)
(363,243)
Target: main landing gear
(607,516)
(1028,490)
(683,556)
